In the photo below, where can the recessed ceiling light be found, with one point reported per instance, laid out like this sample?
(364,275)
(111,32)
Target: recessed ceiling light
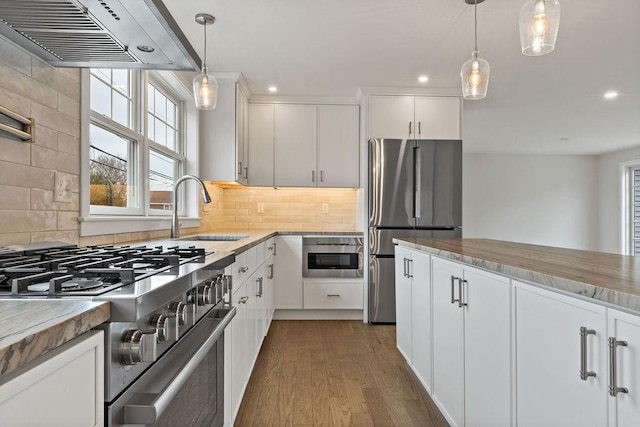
(273,89)
(610,94)
(423,79)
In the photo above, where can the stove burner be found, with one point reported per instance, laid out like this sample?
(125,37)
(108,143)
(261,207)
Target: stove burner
(75,284)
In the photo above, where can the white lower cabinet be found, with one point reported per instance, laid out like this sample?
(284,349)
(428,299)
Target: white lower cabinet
(288,272)
(339,294)
(253,298)
(471,345)
(413,311)
(624,401)
(64,387)
(550,348)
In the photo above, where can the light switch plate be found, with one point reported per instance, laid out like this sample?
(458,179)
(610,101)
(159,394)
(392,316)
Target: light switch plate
(62,187)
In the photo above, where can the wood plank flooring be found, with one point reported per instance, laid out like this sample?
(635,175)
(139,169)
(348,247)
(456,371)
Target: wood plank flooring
(334,373)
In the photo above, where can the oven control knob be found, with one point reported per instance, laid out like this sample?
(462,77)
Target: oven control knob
(204,295)
(137,347)
(160,324)
(177,310)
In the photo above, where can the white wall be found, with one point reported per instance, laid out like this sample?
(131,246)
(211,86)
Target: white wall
(610,195)
(538,199)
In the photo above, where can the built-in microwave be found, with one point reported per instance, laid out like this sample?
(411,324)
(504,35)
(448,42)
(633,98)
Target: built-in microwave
(332,256)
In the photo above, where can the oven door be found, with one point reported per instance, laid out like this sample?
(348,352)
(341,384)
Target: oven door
(185,387)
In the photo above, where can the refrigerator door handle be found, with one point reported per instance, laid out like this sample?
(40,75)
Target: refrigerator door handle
(417,185)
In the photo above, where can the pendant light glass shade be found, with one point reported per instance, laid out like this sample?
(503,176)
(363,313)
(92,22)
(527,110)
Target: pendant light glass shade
(205,86)
(475,77)
(205,90)
(539,23)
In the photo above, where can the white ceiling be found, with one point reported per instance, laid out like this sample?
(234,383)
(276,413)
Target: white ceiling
(332,47)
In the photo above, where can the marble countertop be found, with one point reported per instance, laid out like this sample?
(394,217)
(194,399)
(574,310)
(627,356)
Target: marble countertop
(30,328)
(610,278)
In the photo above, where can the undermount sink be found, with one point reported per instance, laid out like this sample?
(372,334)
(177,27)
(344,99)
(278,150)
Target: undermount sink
(217,237)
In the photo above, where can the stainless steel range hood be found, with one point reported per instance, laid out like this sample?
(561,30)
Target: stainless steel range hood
(99,33)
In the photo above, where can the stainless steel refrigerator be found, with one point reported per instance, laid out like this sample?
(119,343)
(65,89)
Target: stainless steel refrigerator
(415,191)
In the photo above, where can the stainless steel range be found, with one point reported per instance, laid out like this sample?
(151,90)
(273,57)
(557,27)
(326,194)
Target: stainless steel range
(164,346)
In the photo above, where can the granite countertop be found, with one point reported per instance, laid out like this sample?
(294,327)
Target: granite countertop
(606,277)
(30,328)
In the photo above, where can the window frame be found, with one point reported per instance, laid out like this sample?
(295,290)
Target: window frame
(627,208)
(99,220)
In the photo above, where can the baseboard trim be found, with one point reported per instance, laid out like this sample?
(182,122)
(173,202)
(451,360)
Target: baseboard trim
(318,315)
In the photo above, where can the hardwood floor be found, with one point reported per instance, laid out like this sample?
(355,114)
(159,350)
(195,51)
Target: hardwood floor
(334,373)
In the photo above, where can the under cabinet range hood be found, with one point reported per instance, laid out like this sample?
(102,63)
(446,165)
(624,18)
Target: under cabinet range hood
(99,33)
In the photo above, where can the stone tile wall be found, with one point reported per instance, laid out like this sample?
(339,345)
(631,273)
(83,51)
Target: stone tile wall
(30,87)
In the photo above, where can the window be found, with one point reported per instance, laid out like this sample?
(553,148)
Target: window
(139,129)
(633,224)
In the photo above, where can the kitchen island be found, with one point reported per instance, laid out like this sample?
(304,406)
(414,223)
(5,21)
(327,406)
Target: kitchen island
(502,333)
(609,278)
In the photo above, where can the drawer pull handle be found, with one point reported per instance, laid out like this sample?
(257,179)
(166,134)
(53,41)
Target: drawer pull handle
(333,295)
(584,374)
(453,281)
(243,269)
(613,368)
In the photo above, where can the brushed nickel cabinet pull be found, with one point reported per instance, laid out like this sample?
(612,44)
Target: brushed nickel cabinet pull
(419,128)
(613,367)
(243,300)
(409,128)
(409,268)
(321,176)
(240,168)
(246,172)
(584,374)
(453,279)
(333,295)
(404,267)
(461,283)
(313,176)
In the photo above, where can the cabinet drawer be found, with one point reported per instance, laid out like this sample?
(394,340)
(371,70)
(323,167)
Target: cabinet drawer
(334,294)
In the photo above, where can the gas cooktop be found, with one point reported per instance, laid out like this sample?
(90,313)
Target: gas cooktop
(60,269)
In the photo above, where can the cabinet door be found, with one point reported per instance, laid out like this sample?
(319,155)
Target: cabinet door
(260,145)
(403,301)
(448,362)
(338,145)
(487,349)
(64,387)
(624,409)
(288,272)
(239,373)
(391,117)
(550,391)
(295,152)
(420,269)
(241,135)
(438,117)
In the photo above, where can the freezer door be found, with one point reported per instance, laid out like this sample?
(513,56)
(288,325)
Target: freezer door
(391,183)
(438,183)
(381,241)
(382,290)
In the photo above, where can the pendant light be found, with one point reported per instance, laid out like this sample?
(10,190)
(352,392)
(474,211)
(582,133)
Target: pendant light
(475,72)
(205,86)
(539,23)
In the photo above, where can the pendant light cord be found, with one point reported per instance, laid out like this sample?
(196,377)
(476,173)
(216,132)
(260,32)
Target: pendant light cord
(475,21)
(204,64)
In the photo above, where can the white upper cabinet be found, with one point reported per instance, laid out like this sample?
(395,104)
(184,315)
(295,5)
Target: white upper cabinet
(295,153)
(302,145)
(415,117)
(223,135)
(260,147)
(338,145)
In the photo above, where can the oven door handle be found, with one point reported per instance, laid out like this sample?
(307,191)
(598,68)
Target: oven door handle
(146,408)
